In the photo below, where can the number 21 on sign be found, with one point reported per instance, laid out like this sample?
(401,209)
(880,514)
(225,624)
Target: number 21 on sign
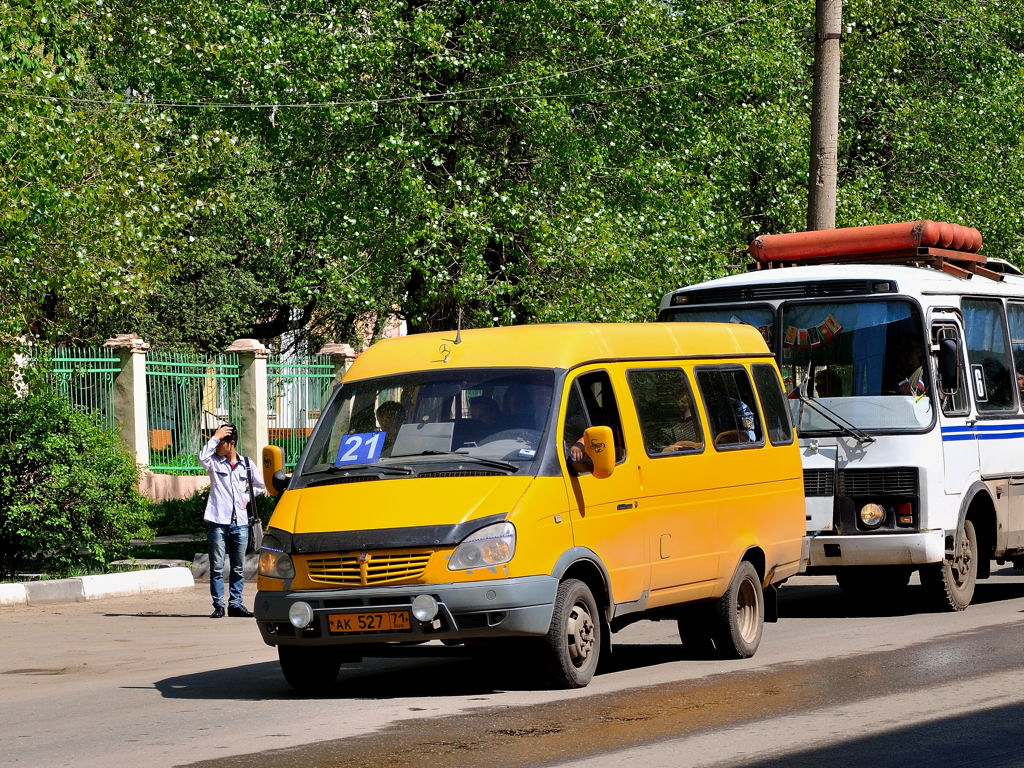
(360,448)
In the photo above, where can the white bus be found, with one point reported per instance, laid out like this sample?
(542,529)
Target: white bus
(903,356)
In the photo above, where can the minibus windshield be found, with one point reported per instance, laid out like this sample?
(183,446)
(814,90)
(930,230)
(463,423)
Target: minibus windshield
(864,360)
(491,418)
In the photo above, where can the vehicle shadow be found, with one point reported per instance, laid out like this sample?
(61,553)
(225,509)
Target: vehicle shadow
(437,672)
(824,601)
(985,738)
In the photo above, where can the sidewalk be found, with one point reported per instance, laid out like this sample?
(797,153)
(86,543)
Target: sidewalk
(150,576)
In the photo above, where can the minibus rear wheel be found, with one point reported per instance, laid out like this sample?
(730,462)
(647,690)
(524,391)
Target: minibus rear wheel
(573,644)
(309,669)
(739,615)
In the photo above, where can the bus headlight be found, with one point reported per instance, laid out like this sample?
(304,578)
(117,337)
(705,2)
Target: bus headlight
(491,545)
(872,515)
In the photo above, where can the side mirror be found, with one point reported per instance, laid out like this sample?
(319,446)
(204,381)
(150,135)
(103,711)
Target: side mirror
(273,470)
(599,445)
(949,365)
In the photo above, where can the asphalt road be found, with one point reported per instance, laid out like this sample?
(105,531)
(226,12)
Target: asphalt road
(152,681)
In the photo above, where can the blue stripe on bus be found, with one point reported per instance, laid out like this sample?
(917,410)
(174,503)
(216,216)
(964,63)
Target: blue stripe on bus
(983,432)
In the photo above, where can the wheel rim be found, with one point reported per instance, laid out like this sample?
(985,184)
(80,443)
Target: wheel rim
(960,568)
(581,636)
(746,611)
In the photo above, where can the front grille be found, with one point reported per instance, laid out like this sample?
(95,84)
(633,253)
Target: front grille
(896,481)
(819,482)
(375,568)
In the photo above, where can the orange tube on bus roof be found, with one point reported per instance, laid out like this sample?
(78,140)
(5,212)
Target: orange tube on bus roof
(864,241)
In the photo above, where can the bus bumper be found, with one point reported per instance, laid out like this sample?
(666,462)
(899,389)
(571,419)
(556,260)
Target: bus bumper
(495,608)
(921,548)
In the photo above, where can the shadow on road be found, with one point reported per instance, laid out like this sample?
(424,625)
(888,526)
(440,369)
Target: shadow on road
(444,672)
(987,738)
(823,601)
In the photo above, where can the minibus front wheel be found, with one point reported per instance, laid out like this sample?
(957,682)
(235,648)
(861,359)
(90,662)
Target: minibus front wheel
(574,641)
(309,669)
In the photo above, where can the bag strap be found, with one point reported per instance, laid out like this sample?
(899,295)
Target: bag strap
(252,496)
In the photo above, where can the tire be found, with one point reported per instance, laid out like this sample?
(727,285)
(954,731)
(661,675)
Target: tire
(309,669)
(876,582)
(739,615)
(950,585)
(572,647)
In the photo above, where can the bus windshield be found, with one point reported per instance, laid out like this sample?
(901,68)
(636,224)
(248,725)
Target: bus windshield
(864,360)
(491,417)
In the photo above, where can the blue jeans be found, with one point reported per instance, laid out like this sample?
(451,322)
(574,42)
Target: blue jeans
(229,539)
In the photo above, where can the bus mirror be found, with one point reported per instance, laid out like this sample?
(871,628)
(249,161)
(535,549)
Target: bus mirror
(273,470)
(599,445)
(949,365)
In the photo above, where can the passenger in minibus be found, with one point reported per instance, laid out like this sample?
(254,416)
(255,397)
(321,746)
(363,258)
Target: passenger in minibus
(681,434)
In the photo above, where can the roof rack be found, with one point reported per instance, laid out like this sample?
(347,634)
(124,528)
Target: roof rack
(950,248)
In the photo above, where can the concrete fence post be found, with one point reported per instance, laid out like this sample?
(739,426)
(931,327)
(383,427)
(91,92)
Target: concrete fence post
(252,391)
(342,356)
(130,394)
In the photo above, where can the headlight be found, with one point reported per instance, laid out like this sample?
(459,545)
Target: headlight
(276,565)
(492,545)
(872,515)
(300,614)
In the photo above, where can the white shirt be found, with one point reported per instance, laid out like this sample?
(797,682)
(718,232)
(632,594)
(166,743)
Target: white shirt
(229,486)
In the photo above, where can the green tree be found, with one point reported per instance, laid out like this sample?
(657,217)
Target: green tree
(94,184)
(67,489)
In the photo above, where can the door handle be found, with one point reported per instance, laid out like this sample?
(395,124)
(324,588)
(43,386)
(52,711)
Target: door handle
(627,506)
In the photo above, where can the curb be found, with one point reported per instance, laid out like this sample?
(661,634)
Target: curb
(85,588)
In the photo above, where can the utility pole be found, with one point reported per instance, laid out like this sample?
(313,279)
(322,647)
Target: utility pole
(821,187)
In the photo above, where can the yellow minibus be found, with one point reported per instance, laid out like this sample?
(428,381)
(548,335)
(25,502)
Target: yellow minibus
(536,488)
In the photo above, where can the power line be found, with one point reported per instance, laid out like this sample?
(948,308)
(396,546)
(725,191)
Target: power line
(431,98)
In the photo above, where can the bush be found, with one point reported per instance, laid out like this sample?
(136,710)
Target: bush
(176,516)
(68,498)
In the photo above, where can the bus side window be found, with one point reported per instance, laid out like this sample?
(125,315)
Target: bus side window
(1015,314)
(730,406)
(988,351)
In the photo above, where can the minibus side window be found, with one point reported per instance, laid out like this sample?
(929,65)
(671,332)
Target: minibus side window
(988,352)
(776,414)
(592,404)
(731,408)
(666,411)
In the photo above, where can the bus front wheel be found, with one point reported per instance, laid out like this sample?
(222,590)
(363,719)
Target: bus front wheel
(951,584)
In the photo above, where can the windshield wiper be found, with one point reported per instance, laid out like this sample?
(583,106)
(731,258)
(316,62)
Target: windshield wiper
(368,469)
(508,465)
(846,427)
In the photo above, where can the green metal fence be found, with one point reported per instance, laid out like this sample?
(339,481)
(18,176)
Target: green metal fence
(187,398)
(85,377)
(297,388)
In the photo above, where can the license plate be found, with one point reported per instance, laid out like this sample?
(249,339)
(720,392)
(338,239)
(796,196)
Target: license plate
(375,621)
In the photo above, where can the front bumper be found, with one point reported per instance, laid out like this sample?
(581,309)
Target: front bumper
(495,608)
(920,548)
